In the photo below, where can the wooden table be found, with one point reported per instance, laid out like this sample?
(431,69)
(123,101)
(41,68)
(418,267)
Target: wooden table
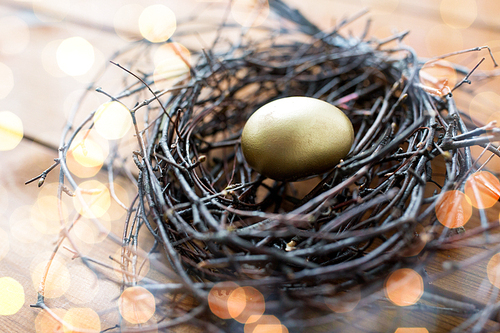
(42,100)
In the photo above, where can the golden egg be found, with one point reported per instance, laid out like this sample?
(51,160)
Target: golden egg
(296,137)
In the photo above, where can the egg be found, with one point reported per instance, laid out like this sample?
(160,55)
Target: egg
(296,137)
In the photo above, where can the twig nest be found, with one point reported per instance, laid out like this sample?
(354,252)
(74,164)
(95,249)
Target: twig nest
(296,137)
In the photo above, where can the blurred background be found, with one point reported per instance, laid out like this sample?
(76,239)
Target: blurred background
(52,50)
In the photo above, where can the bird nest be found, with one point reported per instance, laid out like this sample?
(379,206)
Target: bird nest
(315,244)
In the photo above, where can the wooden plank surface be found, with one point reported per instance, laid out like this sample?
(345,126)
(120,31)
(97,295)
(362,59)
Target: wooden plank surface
(43,100)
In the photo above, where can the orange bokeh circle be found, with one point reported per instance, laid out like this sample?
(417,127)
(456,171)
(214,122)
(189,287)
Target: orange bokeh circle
(79,320)
(137,305)
(45,323)
(483,189)
(265,324)
(453,209)
(218,296)
(56,280)
(246,302)
(412,330)
(493,270)
(404,287)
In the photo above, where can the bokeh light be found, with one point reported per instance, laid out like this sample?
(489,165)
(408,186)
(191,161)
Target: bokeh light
(483,189)
(218,296)
(22,228)
(75,56)
(95,70)
(250,13)
(157,23)
(458,14)
(434,40)
(453,209)
(112,120)
(270,329)
(49,59)
(482,106)
(11,296)
(58,278)
(404,287)
(170,61)
(344,301)
(87,153)
(51,189)
(265,324)
(92,199)
(4,243)
(137,305)
(14,35)
(489,12)
(42,10)
(411,330)
(493,270)
(45,214)
(88,232)
(126,22)
(75,248)
(48,188)
(45,323)
(11,130)
(167,70)
(246,302)
(438,75)
(79,320)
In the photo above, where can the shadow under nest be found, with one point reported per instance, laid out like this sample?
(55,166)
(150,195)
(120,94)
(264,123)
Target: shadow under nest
(218,220)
